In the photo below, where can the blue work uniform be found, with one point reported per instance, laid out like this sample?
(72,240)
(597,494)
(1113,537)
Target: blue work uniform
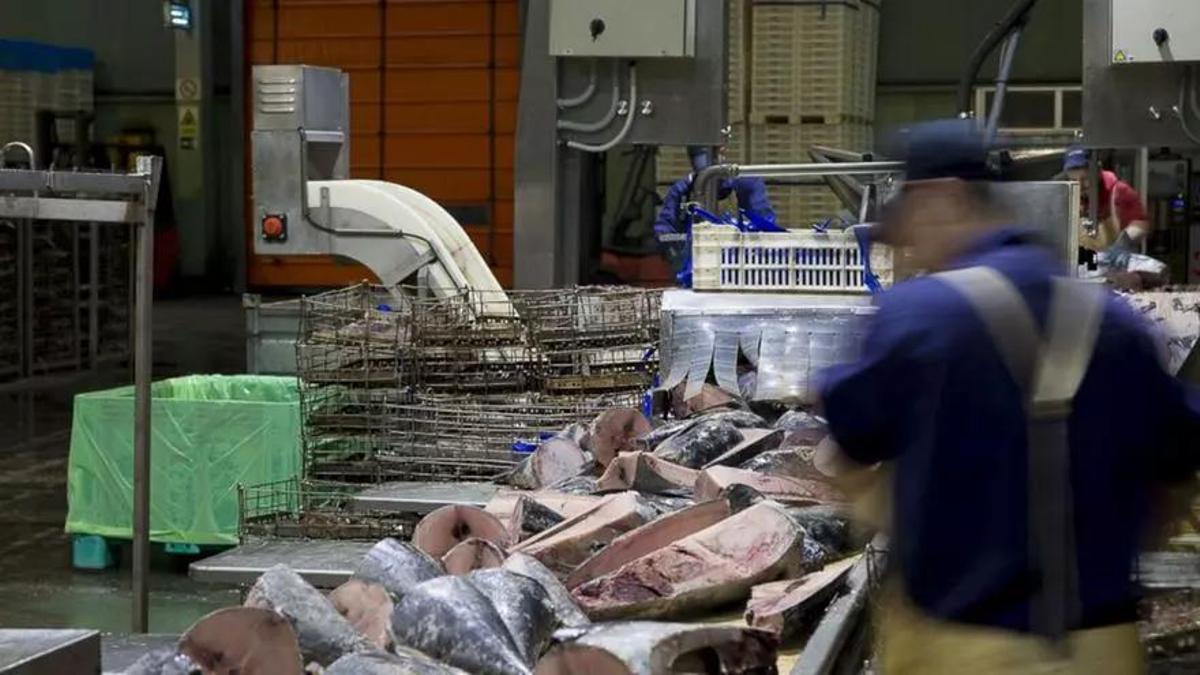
(672,228)
(932,394)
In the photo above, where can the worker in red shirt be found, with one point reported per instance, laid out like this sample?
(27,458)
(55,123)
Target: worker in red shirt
(1121,224)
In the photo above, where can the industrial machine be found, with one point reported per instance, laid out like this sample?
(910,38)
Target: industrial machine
(306,205)
(596,74)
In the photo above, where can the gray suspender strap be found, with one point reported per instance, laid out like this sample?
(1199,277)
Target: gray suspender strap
(1050,372)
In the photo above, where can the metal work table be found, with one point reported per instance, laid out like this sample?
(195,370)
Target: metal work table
(118,652)
(44,652)
(421,497)
(323,563)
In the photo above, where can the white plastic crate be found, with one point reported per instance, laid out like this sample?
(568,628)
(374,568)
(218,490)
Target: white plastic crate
(809,62)
(724,259)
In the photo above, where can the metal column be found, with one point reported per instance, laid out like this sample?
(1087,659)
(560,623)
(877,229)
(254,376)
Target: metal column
(32,195)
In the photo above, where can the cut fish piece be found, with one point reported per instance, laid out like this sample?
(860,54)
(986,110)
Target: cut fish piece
(646,473)
(403,662)
(473,554)
(579,485)
(649,538)
(368,608)
(568,504)
(566,611)
(786,463)
(323,634)
(579,433)
(163,661)
(754,442)
(615,431)
(530,517)
(709,568)
(650,648)
(650,440)
(524,607)
(555,460)
(244,641)
(789,490)
(700,444)
(782,607)
(802,429)
(710,398)
(397,566)
(449,620)
(450,525)
(566,545)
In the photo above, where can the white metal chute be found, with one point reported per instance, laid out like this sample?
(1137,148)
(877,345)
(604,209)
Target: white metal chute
(455,264)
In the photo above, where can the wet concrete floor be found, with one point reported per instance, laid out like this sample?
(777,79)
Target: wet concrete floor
(38,587)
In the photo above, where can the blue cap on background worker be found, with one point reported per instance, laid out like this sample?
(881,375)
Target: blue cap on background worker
(1122,222)
(941,395)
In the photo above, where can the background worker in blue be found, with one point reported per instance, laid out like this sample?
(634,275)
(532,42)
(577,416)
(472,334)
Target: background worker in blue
(935,398)
(673,226)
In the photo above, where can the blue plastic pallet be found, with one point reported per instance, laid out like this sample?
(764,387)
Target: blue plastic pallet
(94,552)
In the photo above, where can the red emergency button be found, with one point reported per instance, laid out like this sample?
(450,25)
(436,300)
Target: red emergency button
(274,227)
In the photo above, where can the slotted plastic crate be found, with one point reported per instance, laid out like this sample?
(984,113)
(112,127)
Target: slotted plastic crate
(724,259)
(810,61)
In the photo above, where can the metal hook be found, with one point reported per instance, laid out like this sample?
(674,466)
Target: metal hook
(18,144)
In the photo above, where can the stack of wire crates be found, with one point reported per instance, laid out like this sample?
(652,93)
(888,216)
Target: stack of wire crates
(812,82)
(456,386)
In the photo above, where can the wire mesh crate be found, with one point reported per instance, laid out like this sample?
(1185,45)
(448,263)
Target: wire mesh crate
(356,336)
(436,436)
(295,509)
(593,316)
(599,370)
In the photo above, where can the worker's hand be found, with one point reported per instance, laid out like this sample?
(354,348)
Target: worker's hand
(1117,256)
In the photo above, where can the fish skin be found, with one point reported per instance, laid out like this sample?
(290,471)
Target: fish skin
(164,661)
(402,662)
(742,419)
(566,611)
(801,428)
(524,607)
(649,441)
(700,444)
(530,517)
(830,526)
(323,634)
(652,648)
(786,463)
(397,566)
(449,620)
(579,485)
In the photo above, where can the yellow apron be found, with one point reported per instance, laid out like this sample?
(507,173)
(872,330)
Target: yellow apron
(911,642)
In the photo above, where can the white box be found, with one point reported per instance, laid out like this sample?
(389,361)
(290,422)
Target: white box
(623,28)
(1136,22)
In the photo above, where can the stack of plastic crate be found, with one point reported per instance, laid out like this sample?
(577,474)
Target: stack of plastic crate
(812,77)
(37,77)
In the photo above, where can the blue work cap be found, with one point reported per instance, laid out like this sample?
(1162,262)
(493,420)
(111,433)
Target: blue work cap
(948,148)
(1076,158)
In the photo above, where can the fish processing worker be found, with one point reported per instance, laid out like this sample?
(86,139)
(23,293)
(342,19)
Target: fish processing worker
(1122,222)
(1025,420)
(673,225)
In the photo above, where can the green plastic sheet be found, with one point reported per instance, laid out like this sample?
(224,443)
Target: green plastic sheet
(209,433)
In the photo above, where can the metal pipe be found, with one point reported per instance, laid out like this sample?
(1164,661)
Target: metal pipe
(603,122)
(585,95)
(1015,16)
(709,179)
(142,363)
(1006,60)
(631,113)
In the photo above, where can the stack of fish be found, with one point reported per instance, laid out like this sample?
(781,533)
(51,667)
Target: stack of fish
(620,522)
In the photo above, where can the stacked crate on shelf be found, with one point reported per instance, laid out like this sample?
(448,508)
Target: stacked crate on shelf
(351,358)
(802,205)
(57,335)
(114,294)
(36,77)
(10,307)
(812,76)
